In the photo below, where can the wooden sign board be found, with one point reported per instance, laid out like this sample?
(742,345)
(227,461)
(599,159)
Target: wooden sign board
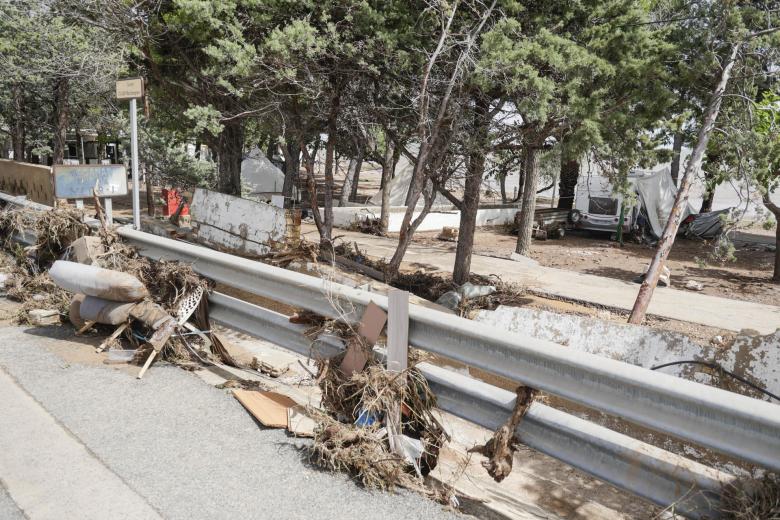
(131,88)
(78,181)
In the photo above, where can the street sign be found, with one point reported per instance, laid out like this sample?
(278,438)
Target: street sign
(131,88)
(78,181)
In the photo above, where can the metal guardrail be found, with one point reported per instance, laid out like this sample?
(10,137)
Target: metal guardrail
(733,424)
(740,426)
(637,467)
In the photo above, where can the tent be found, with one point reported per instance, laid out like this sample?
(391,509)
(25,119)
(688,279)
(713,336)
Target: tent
(656,192)
(260,175)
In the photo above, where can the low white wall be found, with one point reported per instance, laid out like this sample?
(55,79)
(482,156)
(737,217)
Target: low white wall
(756,357)
(438,218)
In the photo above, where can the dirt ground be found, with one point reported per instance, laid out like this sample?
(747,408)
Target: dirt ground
(748,278)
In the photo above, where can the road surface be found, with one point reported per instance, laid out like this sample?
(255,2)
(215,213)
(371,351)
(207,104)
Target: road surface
(86,442)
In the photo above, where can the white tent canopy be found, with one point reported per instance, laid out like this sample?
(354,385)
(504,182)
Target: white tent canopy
(260,175)
(656,193)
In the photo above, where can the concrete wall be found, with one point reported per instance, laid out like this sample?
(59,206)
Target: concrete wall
(439,217)
(749,355)
(238,225)
(33,180)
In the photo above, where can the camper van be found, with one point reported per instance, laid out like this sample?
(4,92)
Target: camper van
(597,206)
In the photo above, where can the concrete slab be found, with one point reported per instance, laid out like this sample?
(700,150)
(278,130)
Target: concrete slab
(751,356)
(8,508)
(236,224)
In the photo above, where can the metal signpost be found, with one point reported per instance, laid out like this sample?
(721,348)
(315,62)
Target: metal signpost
(83,181)
(133,89)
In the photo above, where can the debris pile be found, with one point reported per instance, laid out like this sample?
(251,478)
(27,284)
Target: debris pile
(374,423)
(149,303)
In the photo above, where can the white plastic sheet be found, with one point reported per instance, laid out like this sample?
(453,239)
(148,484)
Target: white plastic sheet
(656,192)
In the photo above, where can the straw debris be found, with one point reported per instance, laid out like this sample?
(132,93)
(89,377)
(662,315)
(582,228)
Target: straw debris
(351,437)
(752,500)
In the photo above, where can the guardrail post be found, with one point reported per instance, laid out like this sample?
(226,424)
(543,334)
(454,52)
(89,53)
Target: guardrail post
(397,356)
(397,330)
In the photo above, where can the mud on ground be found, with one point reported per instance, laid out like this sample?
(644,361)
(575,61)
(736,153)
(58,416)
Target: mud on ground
(748,278)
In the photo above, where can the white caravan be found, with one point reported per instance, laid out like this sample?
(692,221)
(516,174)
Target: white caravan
(597,205)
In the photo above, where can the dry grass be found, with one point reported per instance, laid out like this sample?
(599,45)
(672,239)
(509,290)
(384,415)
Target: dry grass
(36,292)
(752,500)
(55,230)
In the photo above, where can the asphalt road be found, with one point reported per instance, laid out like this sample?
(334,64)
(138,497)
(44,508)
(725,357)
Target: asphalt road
(167,446)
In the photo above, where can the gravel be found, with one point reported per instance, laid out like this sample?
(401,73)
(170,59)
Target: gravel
(188,448)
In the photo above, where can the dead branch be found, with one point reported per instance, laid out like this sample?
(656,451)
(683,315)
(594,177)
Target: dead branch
(500,449)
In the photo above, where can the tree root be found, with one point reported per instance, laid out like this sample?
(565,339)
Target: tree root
(500,448)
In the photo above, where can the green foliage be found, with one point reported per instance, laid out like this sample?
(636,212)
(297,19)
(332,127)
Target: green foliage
(166,159)
(579,71)
(204,119)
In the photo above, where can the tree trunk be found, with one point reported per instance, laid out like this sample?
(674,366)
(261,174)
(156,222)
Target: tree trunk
(709,193)
(694,165)
(17,133)
(405,234)
(330,150)
(775,210)
(311,188)
(676,151)
(292,164)
(356,176)
(351,178)
(60,120)
(531,168)
(776,276)
(230,154)
(388,165)
(149,195)
(567,185)
(273,146)
(346,186)
(79,146)
(706,203)
(468,209)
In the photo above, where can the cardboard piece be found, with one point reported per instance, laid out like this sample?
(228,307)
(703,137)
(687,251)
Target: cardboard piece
(372,322)
(269,408)
(87,249)
(355,359)
(299,423)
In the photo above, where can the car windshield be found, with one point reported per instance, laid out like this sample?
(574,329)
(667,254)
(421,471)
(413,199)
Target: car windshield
(603,206)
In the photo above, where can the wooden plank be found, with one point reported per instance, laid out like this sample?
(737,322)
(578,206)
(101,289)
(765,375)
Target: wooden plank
(270,408)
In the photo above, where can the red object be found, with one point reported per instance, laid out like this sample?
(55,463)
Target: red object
(171,200)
